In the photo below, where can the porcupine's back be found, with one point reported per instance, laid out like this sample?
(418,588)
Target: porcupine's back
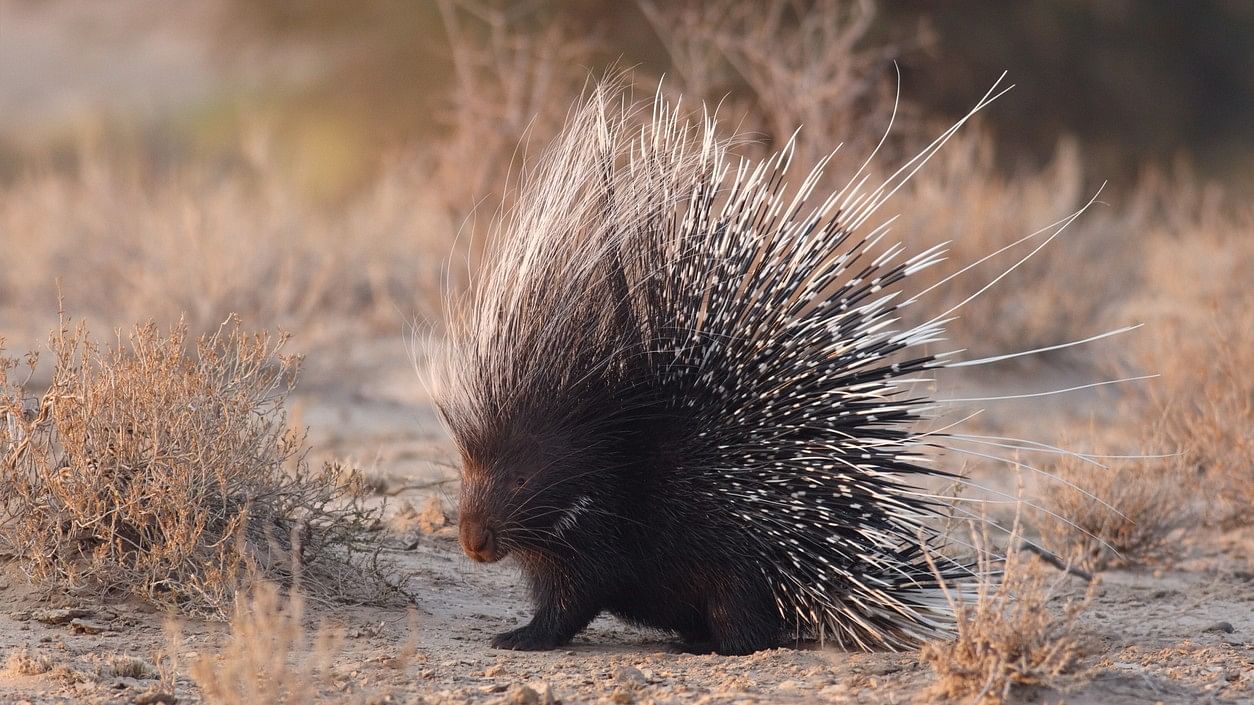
(732,342)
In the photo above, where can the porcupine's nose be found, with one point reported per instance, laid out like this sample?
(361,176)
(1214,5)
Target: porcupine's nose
(479,541)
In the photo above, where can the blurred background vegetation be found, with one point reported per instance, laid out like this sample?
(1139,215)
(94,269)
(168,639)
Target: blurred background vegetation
(337,87)
(333,167)
(317,164)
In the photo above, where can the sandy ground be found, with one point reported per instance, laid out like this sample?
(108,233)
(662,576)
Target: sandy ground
(1182,632)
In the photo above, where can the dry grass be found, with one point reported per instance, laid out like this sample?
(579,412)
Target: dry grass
(774,66)
(1199,338)
(124,239)
(24,662)
(1070,289)
(269,656)
(1016,631)
(1100,512)
(167,475)
(1209,415)
(128,667)
(128,241)
(1203,406)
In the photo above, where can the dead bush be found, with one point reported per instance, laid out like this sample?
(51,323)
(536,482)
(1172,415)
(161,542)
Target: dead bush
(1201,342)
(513,81)
(1017,630)
(775,66)
(122,666)
(269,656)
(1204,409)
(1210,420)
(1121,514)
(126,240)
(170,475)
(24,662)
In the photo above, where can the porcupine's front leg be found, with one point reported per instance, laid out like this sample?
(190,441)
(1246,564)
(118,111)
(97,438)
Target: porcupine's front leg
(562,611)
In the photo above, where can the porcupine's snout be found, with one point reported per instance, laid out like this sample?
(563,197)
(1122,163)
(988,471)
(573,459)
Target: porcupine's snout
(479,541)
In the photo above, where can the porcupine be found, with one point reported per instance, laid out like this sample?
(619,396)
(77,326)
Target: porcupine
(684,397)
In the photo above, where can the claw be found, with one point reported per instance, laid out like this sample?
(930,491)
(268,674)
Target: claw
(525,639)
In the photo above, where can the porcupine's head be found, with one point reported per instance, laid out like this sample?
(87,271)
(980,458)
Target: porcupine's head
(542,385)
(516,479)
(528,476)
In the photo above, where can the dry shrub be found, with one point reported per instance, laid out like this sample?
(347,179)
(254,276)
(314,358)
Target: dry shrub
(778,65)
(167,475)
(1010,633)
(1202,344)
(513,81)
(269,656)
(1122,514)
(24,662)
(126,240)
(128,667)
(68,674)
(1199,338)
(1070,289)
(1210,417)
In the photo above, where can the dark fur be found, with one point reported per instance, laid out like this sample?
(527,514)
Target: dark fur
(640,551)
(654,547)
(675,403)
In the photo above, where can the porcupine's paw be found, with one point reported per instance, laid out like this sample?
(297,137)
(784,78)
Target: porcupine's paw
(741,648)
(699,648)
(527,638)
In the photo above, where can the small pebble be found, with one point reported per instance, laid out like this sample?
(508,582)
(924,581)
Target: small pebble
(63,615)
(523,695)
(83,626)
(431,518)
(156,697)
(630,677)
(545,691)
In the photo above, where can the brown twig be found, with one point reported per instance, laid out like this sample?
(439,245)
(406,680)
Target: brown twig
(1057,562)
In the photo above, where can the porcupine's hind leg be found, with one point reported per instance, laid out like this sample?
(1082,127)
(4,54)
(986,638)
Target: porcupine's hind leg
(693,639)
(742,620)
